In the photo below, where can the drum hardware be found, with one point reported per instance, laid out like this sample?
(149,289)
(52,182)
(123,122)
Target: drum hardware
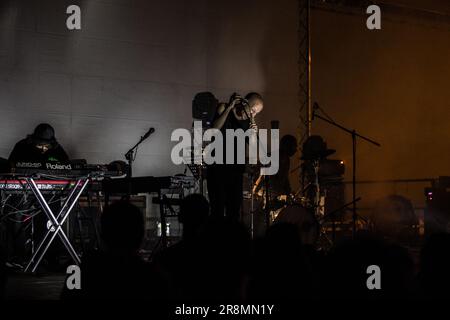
(314,153)
(293,208)
(312,196)
(316,203)
(304,211)
(303,218)
(333,215)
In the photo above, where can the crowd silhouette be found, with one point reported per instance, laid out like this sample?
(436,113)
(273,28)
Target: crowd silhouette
(217,260)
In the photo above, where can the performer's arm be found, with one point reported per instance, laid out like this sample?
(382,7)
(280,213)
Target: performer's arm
(15,153)
(222,111)
(62,154)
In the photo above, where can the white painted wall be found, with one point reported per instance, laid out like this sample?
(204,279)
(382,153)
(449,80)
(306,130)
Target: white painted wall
(137,64)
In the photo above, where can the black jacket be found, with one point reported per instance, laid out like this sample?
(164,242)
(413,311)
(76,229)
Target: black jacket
(25,150)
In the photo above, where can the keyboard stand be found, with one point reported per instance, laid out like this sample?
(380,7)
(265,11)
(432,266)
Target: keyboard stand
(56,221)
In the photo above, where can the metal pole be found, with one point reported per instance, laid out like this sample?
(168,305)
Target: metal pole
(304,75)
(308,32)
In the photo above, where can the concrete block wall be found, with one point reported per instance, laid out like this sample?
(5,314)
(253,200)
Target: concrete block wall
(137,64)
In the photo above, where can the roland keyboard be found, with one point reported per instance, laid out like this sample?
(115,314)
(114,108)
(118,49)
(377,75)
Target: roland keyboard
(44,185)
(18,185)
(61,170)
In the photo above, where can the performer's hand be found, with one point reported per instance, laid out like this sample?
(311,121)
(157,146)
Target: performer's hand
(254,126)
(234,99)
(232,104)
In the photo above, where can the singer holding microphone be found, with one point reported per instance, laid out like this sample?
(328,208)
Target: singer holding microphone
(224,181)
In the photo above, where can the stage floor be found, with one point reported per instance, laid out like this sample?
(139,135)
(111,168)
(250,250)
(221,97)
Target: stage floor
(34,287)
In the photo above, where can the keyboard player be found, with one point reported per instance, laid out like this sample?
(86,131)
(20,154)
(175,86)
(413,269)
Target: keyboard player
(40,146)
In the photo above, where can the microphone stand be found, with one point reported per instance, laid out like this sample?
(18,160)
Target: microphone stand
(266,178)
(354,135)
(130,156)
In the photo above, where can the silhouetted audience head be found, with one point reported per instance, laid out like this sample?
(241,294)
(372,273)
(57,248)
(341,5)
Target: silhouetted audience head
(281,270)
(118,272)
(194,210)
(219,261)
(284,233)
(122,227)
(347,273)
(434,275)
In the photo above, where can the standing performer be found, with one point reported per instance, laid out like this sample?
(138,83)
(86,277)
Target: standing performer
(225,180)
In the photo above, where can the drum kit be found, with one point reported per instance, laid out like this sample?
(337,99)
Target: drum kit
(306,207)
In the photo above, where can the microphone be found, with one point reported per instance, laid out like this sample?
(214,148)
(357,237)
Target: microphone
(149,132)
(130,155)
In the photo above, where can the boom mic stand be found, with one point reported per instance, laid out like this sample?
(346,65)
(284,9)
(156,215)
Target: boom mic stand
(354,135)
(131,155)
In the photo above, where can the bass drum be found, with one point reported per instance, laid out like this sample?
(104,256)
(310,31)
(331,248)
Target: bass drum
(308,226)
